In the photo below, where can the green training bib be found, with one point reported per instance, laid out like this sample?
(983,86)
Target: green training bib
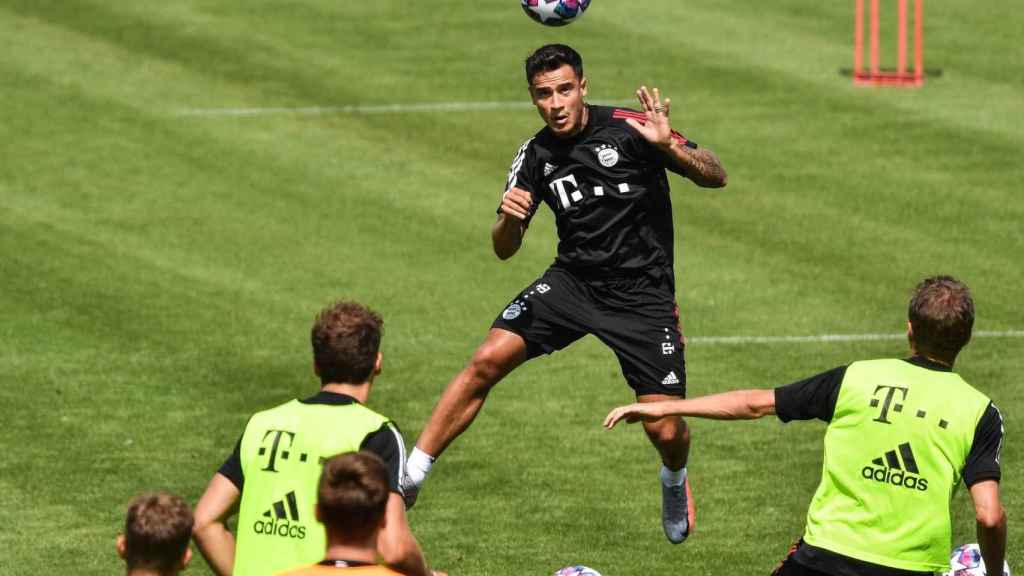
(282,453)
(894,452)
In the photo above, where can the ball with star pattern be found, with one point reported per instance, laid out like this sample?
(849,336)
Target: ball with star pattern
(555,12)
(577,570)
(966,560)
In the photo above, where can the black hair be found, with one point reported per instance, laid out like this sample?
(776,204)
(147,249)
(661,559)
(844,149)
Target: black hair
(552,57)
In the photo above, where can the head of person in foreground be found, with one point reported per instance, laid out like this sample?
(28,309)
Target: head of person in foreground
(157,530)
(352,498)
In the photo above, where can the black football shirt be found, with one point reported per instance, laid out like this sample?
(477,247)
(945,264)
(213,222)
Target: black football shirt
(609,192)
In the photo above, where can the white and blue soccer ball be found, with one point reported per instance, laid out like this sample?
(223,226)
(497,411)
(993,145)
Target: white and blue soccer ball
(577,570)
(966,561)
(555,12)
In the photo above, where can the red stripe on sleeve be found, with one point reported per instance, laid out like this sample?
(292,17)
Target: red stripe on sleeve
(623,114)
(679,138)
(640,117)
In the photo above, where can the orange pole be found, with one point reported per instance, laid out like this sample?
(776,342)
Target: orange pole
(858,38)
(918,40)
(874,37)
(901,47)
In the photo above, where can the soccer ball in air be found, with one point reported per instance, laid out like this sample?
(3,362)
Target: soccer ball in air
(966,561)
(555,12)
(577,570)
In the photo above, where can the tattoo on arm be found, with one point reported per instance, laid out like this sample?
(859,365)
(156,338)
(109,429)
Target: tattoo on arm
(702,166)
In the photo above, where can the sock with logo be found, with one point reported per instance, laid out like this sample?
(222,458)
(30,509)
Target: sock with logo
(673,477)
(418,465)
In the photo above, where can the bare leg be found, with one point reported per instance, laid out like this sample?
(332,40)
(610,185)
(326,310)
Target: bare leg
(501,352)
(670,435)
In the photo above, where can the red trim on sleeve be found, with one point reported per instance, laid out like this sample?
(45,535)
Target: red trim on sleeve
(679,138)
(623,114)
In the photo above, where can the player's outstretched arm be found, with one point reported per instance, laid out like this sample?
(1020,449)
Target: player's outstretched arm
(700,165)
(507,233)
(210,531)
(735,405)
(991,524)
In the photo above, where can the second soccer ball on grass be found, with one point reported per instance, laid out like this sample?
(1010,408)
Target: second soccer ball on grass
(966,561)
(577,571)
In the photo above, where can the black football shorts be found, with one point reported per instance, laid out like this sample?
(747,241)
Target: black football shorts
(636,317)
(807,560)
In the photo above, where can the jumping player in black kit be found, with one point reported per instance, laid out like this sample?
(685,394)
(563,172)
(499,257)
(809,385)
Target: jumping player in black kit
(602,171)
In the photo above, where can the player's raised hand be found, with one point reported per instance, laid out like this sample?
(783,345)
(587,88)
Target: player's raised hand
(656,130)
(647,411)
(516,203)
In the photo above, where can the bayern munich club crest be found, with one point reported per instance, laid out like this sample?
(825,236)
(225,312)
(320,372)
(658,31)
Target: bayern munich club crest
(607,155)
(514,310)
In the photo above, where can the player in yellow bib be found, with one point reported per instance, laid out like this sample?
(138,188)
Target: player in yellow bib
(271,477)
(902,434)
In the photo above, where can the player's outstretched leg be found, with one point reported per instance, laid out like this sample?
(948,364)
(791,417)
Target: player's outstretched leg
(501,352)
(671,436)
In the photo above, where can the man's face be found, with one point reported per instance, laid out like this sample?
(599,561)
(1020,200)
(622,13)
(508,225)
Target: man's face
(558,96)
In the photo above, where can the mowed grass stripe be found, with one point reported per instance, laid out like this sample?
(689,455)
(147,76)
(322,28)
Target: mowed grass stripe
(237,193)
(297,54)
(352,166)
(163,35)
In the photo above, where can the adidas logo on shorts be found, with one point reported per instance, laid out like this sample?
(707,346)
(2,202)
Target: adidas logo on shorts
(671,378)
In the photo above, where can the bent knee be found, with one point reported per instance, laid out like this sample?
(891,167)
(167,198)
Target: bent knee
(488,365)
(667,430)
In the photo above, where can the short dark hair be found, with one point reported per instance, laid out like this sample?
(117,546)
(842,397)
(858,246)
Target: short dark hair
(353,494)
(346,339)
(552,57)
(941,314)
(157,529)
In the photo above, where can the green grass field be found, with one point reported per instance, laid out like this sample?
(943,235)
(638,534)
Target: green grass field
(160,268)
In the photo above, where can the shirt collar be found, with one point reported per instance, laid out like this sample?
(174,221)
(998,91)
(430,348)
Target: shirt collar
(330,398)
(923,362)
